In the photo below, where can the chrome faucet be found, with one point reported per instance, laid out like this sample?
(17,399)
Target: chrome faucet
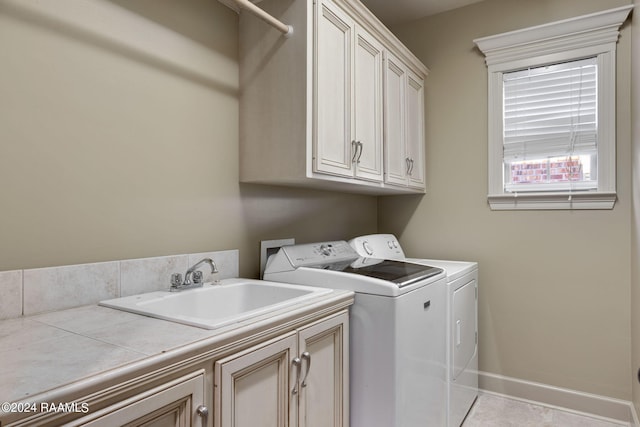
(177,284)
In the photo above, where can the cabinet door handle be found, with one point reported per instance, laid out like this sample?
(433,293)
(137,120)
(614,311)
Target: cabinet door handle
(354,144)
(306,356)
(359,155)
(297,364)
(203,411)
(409,166)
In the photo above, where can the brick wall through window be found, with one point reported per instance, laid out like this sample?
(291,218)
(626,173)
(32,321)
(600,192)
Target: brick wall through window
(547,171)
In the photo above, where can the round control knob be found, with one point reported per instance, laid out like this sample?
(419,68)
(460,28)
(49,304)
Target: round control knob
(367,248)
(390,244)
(395,243)
(325,250)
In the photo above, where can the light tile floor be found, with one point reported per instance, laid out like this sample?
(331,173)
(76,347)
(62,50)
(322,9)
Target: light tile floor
(497,411)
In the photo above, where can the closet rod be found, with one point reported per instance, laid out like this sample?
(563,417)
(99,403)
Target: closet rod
(285,29)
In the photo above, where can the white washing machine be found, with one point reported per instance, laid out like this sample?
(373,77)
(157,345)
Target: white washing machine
(462,320)
(397,340)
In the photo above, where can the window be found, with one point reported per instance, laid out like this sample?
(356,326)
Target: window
(550,127)
(552,114)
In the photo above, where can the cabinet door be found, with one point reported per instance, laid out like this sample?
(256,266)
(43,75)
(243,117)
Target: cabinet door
(254,387)
(415,130)
(396,156)
(368,106)
(333,151)
(324,385)
(174,404)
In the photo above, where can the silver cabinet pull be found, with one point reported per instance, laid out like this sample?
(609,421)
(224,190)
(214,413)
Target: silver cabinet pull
(306,356)
(409,166)
(297,364)
(359,155)
(354,144)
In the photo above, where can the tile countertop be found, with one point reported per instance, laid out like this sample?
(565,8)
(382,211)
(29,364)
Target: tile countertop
(42,354)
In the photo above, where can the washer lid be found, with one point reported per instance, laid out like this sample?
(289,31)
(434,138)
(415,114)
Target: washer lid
(398,272)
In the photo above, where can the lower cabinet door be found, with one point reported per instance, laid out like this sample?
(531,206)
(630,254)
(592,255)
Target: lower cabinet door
(297,379)
(324,385)
(177,403)
(258,386)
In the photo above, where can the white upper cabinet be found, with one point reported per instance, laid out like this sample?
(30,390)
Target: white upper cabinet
(348,69)
(404,125)
(313,105)
(368,123)
(415,130)
(395,128)
(333,91)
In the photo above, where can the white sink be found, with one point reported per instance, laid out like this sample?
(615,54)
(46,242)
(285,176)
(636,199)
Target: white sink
(217,305)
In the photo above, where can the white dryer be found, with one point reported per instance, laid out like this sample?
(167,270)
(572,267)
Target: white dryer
(461,325)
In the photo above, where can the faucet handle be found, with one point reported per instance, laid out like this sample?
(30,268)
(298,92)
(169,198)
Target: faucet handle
(197,276)
(176,279)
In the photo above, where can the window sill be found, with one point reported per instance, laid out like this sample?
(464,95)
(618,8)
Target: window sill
(552,201)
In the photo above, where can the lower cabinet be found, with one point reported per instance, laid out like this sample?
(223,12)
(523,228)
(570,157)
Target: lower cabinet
(297,379)
(178,403)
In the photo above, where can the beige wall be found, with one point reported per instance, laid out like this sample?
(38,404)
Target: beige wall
(554,285)
(119,139)
(635,252)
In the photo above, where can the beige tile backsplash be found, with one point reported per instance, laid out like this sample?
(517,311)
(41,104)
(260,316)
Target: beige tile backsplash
(27,292)
(226,261)
(138,276)
(10,294)
(56,288)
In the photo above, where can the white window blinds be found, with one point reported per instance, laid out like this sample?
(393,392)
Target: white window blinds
(551,111)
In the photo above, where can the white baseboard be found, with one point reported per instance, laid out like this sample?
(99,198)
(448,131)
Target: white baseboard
(601,406)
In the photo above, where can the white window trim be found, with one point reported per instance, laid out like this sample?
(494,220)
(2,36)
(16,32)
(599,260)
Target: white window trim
(585,36)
